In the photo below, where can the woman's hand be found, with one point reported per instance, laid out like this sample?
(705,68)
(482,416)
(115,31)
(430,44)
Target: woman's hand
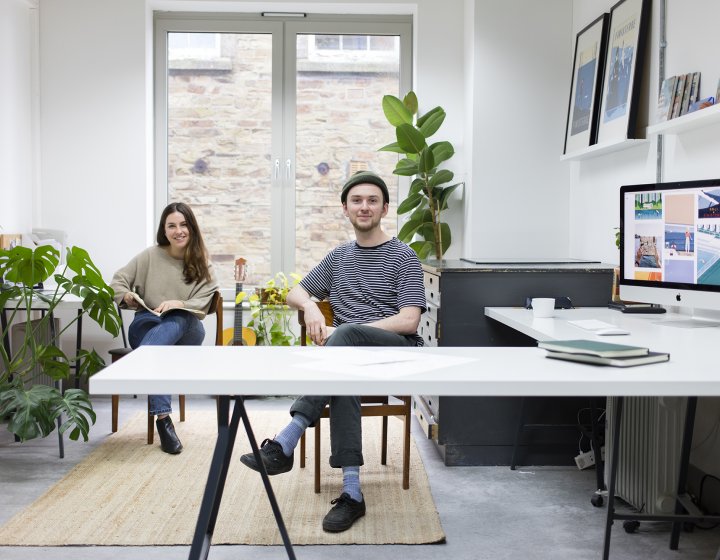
(169,304)
(129,301)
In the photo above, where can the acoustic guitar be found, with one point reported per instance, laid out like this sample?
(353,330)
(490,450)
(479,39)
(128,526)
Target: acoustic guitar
(237,335)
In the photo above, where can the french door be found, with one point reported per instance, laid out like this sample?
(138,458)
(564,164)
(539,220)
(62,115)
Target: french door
(260,121)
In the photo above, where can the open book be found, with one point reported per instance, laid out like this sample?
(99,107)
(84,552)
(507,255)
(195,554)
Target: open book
(144,305)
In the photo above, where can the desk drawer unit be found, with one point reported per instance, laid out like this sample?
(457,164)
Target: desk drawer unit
(481,430)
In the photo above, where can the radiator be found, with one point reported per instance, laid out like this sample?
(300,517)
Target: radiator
(650,441)
(17,335)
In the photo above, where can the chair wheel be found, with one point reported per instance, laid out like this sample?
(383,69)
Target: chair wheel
(597,500)
(631,526)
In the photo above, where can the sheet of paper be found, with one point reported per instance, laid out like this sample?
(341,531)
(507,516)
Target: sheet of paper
(379,364)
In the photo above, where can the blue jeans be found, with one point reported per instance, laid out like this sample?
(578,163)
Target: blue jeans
(345,425)
(176,327)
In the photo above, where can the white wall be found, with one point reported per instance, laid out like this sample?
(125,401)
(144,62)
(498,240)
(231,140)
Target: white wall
(519,204)
(17,95)
(595,183)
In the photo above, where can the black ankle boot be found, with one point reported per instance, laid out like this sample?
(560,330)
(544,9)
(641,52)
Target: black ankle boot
(169,441)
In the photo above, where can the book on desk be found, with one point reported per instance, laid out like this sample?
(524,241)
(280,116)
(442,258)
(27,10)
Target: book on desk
(602,353)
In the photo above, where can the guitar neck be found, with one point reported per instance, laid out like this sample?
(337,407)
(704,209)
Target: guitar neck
(237,323)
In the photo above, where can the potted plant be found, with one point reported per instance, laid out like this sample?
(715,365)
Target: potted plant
(429,192)
(272,319)
(32,408)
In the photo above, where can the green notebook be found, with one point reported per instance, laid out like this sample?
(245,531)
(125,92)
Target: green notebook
(627,361)
(593,348)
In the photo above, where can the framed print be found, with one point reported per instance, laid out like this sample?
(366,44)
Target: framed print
(623,70)
(586,85)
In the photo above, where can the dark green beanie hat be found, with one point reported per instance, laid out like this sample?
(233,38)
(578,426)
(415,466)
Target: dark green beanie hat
(365,177)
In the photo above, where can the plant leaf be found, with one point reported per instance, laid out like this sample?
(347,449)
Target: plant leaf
(394,147)
(409,203)
(446,236)
(416,187)
(431,122)
(53,362)
(442,151)
(408,230)
(445,195)
(410,101)
(427,161)
(410,139)
(76,406)
(422,248)
(406,167)
(32,412)
(442,176)
(25,266)
(395,111)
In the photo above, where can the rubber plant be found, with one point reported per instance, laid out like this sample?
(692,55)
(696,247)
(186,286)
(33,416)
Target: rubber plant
(32,408)
(430,189)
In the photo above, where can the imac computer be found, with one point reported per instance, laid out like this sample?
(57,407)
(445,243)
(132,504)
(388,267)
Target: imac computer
(670,247)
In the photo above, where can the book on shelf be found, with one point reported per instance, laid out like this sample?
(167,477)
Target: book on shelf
(626,361)
(665,99)
(701,104)
(142,303)
(677,97)
(593,348)
(686,94)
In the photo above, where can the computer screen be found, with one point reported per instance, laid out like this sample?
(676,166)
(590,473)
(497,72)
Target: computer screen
(670,244)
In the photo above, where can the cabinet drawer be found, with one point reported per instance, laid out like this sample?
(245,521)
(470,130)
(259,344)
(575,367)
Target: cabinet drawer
(428,330)
(432,288)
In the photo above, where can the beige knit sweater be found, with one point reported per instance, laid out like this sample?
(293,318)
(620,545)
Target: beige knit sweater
(156,277)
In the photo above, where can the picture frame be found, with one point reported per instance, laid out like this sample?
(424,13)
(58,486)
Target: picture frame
(586,85)
(623,70)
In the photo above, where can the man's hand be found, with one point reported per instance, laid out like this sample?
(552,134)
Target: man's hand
(317,330)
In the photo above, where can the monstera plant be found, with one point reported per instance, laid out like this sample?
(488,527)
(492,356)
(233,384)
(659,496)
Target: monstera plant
(429,191)
(30,407)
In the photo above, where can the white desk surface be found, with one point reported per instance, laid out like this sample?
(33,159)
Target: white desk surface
(489,371)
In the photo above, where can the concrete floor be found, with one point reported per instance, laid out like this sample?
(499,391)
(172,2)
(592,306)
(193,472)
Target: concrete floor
(486,512)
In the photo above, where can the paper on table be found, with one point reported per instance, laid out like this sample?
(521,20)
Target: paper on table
(385,363)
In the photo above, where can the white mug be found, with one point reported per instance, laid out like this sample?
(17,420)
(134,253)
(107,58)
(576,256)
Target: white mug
(543,307)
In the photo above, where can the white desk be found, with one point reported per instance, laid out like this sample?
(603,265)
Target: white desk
(688,348)
(257,370)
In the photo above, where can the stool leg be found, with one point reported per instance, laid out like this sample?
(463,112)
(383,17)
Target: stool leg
(406,445)
(151,426)
(115,405)
(317,456)
(181,398)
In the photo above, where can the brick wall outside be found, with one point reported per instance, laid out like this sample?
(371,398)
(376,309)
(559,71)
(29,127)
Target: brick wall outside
(219,151)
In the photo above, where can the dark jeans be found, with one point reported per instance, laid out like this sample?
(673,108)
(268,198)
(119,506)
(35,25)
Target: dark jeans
(177,327)
(345,425)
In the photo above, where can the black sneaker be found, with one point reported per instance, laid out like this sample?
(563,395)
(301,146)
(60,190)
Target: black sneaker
(344,514)
(275,461)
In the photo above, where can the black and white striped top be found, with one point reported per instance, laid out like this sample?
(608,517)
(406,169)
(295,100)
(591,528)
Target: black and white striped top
(365,284)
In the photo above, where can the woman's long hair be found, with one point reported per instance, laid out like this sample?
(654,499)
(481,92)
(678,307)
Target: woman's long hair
(195,268)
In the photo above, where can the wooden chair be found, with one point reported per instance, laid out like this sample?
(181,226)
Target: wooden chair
(117,353)
(371,406)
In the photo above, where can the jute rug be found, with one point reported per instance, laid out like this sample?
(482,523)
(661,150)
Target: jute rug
(129,493)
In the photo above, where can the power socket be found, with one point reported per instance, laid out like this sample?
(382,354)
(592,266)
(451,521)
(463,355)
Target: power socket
(585,460)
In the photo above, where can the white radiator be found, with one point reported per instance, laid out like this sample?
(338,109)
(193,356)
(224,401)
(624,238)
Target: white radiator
(17,335)
(650,442)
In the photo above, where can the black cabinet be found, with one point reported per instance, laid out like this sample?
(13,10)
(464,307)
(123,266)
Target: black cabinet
(481,430)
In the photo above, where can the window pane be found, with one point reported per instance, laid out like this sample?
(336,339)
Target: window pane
(327,42)
(219,134)
(340,126)
(354,42)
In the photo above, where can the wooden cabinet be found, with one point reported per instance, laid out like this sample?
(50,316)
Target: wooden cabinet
(481,430)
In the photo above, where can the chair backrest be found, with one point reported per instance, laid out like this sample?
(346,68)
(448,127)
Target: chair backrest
(327,312)
(216,307)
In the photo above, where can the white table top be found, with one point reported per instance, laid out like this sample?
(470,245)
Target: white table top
(490,371)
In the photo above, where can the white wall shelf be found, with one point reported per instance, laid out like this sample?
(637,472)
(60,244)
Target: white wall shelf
(602,149)
(691,121)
